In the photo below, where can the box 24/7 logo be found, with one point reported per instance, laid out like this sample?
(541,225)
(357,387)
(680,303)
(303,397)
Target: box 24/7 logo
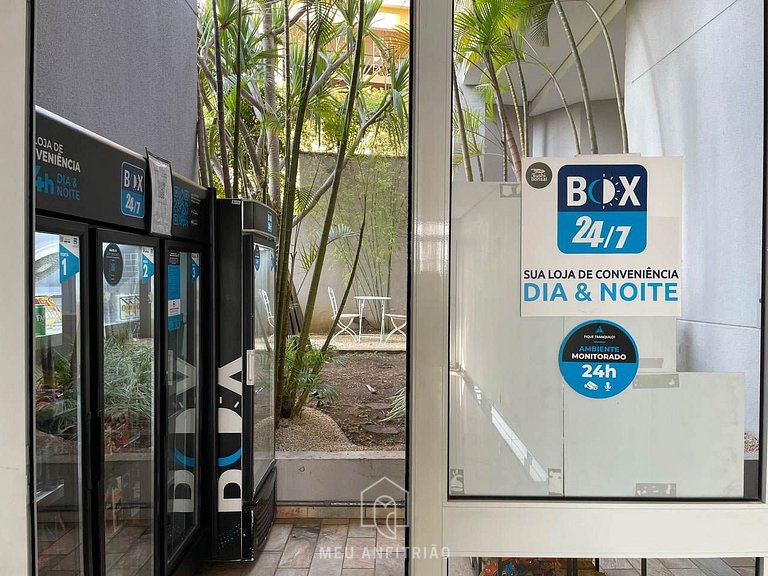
(132,191)
(602,209)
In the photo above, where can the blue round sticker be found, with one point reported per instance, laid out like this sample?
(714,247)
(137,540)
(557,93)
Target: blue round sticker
(598,359)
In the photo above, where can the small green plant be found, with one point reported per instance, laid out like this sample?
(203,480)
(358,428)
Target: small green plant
(397,406)
(128,365)
(306,376)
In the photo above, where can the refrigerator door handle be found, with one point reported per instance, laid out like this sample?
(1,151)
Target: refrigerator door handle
(170,368)
(250,367)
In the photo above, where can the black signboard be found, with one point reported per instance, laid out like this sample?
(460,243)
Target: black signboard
(113,264)
(85,177)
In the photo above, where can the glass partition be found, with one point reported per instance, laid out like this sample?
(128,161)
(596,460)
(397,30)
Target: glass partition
(605,268)
(57,404)
(263,341)
(128,389)
(183,397)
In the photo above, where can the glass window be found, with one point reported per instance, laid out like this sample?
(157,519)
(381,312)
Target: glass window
(560,393)
(57,404)
(183,397)
(128,405)
(263,341)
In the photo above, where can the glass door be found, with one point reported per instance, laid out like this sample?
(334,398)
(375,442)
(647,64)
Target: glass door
(58,404)
(127,394)
(262,368)
(182,398)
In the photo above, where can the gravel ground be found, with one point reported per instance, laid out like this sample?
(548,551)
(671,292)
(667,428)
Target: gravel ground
(314,431)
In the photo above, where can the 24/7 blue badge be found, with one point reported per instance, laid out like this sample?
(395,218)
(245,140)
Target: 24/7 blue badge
(598,359)
(602,209)
(132,190)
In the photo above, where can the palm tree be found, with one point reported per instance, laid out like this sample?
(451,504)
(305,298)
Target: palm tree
(481,28)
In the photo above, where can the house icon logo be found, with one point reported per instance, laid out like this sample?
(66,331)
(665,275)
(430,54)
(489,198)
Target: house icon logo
(383,506)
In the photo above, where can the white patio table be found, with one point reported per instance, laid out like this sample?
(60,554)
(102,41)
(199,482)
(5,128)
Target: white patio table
(361,300)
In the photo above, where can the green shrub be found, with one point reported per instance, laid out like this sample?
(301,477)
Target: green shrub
(305,377)
(397,405)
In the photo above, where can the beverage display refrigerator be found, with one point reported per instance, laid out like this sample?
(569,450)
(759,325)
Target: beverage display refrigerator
(121,378)
(245,395)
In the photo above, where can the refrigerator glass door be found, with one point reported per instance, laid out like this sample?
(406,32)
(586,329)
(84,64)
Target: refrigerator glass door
(262,363)
(182,397)
(57,404)
(128,407)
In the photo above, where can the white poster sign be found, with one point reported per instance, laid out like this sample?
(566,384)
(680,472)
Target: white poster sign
(161,189)
(601,236)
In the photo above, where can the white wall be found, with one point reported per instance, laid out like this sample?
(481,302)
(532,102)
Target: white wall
(14,308)
(551,133)
(694,77)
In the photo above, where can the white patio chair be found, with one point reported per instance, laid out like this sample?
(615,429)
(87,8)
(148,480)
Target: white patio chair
(399,322)
(268,308)
(345,320)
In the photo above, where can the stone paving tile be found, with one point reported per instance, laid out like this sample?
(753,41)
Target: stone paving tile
(745,571)
(332,536)
(740,562)
(677,563)
(298,550)
(714,567)
(325,565)
(278,536)
(358,531)
(265,564)
(291,572)
(356,572)
(360,553)
(615,564)
(687,571)
(617,571)
(655,567)
(393,565)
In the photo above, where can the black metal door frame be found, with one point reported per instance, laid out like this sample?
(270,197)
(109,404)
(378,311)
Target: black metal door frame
(50,225)
(100,237)
(204,435)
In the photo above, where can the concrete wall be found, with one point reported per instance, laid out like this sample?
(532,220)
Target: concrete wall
(14,310)
(125,70)
(334,477)
(694,76)
(551,133)
(358,177)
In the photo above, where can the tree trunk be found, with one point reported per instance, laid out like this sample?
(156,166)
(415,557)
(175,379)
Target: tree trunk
(524,97)
(205,179)
(582,77)
(270,101)
(462,127)
(340,161)
(352,273)
(288,205)
(220,105)
(511,145)
(616,83)
(238,85)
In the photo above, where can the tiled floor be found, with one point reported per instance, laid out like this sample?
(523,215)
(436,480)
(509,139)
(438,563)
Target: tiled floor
(129,550)
(328,547)
(336,547)
(662,567)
